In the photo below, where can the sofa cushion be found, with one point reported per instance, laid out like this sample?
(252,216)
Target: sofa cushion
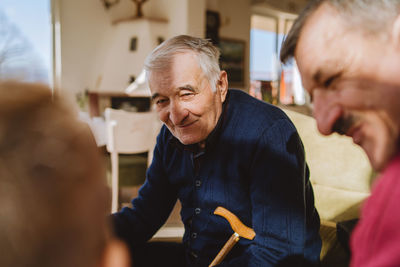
(339,170)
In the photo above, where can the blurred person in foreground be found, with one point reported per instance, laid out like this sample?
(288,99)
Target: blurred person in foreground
(53,195)
(219,147)
(348,54)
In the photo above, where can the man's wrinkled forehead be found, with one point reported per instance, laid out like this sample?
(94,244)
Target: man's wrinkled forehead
(159,77)
(316,45)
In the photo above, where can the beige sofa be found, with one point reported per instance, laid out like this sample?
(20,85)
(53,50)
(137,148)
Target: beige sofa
(341,176)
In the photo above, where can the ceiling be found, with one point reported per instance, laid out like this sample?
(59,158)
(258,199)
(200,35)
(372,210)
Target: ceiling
(287,6)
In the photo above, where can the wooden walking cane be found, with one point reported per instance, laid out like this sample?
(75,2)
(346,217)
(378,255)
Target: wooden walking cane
(240,230)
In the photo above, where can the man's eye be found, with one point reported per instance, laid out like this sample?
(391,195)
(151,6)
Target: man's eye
(161,101)
(328,82)
(186,94)
(332,80)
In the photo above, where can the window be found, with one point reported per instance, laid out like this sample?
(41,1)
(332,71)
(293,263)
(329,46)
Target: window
(26,40)
(264,66)
(271,81)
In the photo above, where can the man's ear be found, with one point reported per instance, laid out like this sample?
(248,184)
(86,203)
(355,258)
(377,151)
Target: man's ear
(222,85)
(396,32)
(116,254)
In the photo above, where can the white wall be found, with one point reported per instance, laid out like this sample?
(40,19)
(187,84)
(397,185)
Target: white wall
(118,63)
(83,24)
(86,29)
(184,16)
(196,20)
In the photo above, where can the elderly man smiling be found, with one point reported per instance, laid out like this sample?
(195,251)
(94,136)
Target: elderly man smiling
(219,147)
(348,54)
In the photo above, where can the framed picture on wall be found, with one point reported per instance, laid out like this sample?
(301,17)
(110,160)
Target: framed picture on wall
(232,60)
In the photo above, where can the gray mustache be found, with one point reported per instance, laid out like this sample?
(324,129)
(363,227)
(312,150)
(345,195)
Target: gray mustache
(343,124)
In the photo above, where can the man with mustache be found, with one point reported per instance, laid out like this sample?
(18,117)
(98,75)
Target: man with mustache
(348,54)
(219,147)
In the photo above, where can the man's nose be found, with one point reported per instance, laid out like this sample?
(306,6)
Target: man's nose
(177,112)
(326,110)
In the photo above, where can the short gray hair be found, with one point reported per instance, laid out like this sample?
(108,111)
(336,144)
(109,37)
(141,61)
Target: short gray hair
(207,55)
(368,16)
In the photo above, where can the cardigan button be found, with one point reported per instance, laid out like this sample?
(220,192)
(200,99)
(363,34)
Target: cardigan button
(194,235)
(194,255)
(197,210)
(198,183)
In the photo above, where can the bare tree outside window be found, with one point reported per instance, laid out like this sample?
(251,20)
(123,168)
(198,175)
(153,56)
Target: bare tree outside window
(18,60)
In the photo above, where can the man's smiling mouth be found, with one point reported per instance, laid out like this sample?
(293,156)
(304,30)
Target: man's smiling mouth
(186,125)
(355,133)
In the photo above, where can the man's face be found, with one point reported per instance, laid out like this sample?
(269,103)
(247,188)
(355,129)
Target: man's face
(184,99)
(330,56)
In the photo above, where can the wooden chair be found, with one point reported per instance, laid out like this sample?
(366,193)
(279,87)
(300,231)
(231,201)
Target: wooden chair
(128,133)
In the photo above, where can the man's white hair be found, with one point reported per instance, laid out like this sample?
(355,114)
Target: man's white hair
(207,55)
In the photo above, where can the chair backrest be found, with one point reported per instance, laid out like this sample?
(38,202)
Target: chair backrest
(339,170)
(128,133)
